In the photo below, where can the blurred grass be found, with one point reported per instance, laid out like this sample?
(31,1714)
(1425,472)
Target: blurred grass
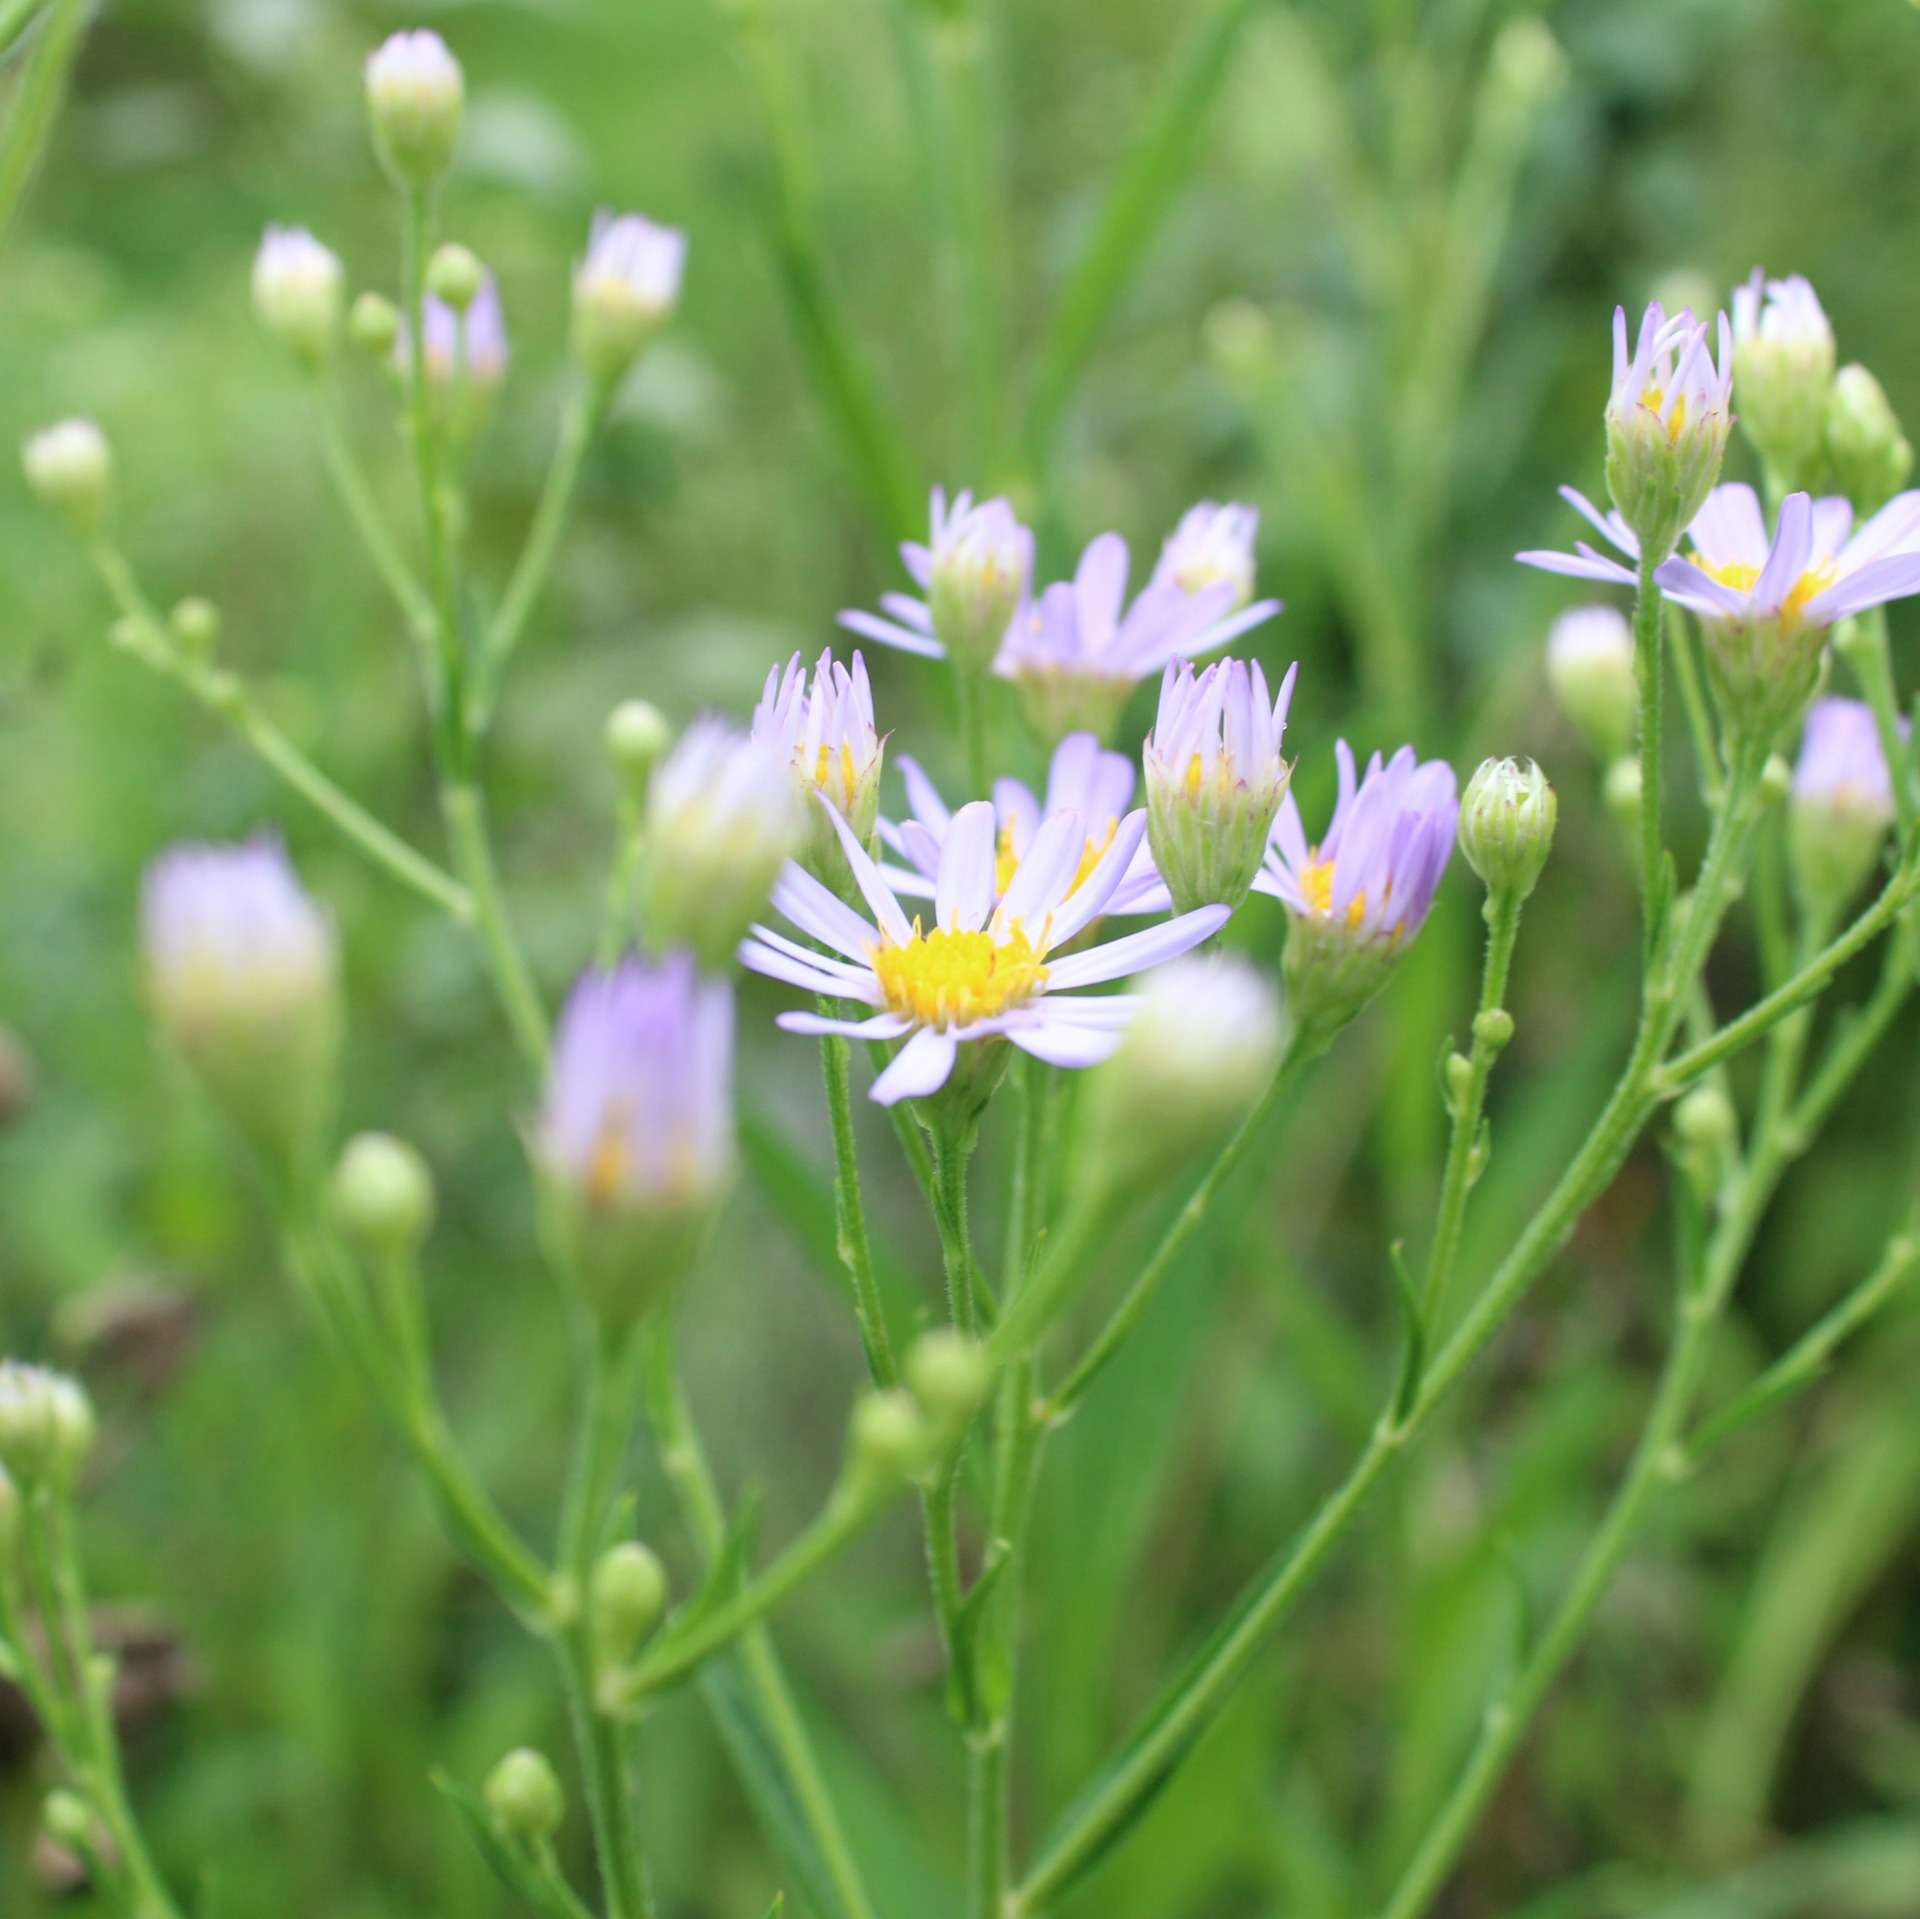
(336,1651)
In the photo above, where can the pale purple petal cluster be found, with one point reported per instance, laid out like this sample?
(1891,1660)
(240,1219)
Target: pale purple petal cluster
(638,1116)
(1781,313)
(1374,872)
(635,260)
(1082,777)
(1841,766)
(976,552)
(985,971)
(1212,543)
(1671,375)
(822,729)
(1219,728)
(474,341)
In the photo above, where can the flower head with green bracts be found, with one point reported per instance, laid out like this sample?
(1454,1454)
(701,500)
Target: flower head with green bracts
(1212,543)
(822,729)
(1783,354)
(1215,777)
(1667,419)
(1358,896)
(625,290)
(1841,803)
(1082,777)
(469,348)
(635,1136)
(989,969)
(297,291)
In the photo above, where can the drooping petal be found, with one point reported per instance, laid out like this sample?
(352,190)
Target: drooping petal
(1060,1044)
(879,1026)
(808,904)
(873,889)
(920,1067)
(1093,895)
(1137,951)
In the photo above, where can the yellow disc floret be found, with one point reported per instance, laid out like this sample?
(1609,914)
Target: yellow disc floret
(1006,861)
(1316,888)
(1742,576)
(948,978)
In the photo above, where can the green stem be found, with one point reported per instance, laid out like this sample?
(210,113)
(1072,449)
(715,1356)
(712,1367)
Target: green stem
(950,1159)
(1648,672)
(36,105)
(350,482)
(849,1212)
(1693,701)
(1491,1031)
(465,815)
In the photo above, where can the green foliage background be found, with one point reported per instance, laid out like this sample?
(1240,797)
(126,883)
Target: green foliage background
(1741,1735)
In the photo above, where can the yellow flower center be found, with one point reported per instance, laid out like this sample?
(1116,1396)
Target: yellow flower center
(1316,887)
(948,978)
(823,773)
(1653,399)
(1742,577)
(1006,861)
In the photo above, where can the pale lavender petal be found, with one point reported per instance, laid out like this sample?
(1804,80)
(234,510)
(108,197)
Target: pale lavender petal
(808,904)
(1874,584)
(759,958)
(1577,566)
(873,889)
(1137,951)
(1065,1045)
(879,1026)
(1792,546)
(1045,872)
(963,886)
(920,1067)
(870,626)
(923,798)
(1092,896)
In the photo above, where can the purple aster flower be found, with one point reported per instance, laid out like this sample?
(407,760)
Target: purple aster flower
(472,344)
(1212,543)
(1083,777)
(988,971)
(1842,805)
(626,288)
(1783,355)
(1081,649)
(1357,898)
(822,730)
(1215,777)
(297,285)
(415,96)
(1667,422)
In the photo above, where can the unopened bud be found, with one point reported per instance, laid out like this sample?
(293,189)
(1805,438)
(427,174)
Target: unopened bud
(1776,779)
(889,1438)
(1507,817)
(949,1374)
(70,1821)
(625,290)
(1622,791)
(628,1596)
(524,1798)
(297,292)
(1870,456)
(46,1423)
(383,1195)
(1706,1119)
(70,466)
(1590,669)
(374,325)
(196,625)
(415,96)
(1493,1028)
(455,275)
(637,735)
(1842,805)
(1783,372)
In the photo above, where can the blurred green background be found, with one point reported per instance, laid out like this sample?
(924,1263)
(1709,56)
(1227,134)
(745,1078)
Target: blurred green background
(1377,307)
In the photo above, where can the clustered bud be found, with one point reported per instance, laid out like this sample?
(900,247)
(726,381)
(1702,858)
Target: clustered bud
(1667,422)
(822,731)
(976,573)
(524,1798)
(70,467)
(637,734)
(1507,817)
(889,1443)
(1842,805)
(627,1597)
(949,1374)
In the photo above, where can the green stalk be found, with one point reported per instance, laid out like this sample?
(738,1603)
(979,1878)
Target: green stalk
(36,106)
(1649,680)
(849,1211)
(350,482)
(465,813)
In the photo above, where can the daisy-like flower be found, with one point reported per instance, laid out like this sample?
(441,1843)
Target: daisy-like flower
(974,571)
(297,291)
(1765,606)
(1590,668)
(1783,356)
(1081,649)
(1212,543)
(823,732)
(722,817)
(636,1133)
(1667,420)
(1215,778)
(625,290)
(1083,777)
(1841,806)
(1357,898)
(984,973)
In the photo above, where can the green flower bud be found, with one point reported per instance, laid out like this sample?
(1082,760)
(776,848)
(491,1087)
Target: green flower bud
(1622,791)
(1667,422)
(889,1441)
(70,1822)
(1590,669)
(1507,817)
(455,275)
(196,625)
(374,325)
(1870,456)
(524,1798)
(1705,1119)
(1783,370)
(949,1374)
(70,466)
(637,734)
(383,1195)
(46,1424)
(629,1594)
(415,97)
(297,291)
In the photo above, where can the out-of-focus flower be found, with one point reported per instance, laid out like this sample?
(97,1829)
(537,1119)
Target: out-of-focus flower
(466,353)
(297,292)
(1211,544)
(822,731)
(242,972)
(1590,668)
(974,571)
(455,275)
(1083,777)
(1081,649)
(1871,457)
(636,1134)
(984,973)
(1200,1051)
(415,96)
(637,734)
(382,1194)
(722,817)
(1764,606)
(1506,825)
(70,467)
(1841,806)
(625,290)
(46,1424)
(524,1798)
(1357,899)
(1215,778)
(1783,366)
(373,325)
(1667,422)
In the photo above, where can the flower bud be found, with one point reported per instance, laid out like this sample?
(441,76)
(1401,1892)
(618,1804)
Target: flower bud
(374,325)
(415,95)
(196,625)
(70,467)
(1590,669)
(823,732)
(242,975)
(1622,791)
(524,1798)
(1212,545)
(625,290)
(455,275)
(1776,779)
(1705,1119)
(1783,367)
(1214,779)
(70,1822)
(1200,1051)
(637,735)
(1842,806)
(976,571)
(1507,818)
(1870,456)
(889,1441)
(629,1594)
(949,1374)
(46,1424)
(383,1195)
(1667,422)
(297,292)
(722,817)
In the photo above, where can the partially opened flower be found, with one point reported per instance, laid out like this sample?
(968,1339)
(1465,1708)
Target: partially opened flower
(1081,649)
(1590,668)
(1667,419)
(1357,897)
(974,571)
(1783,354)
(1212,544)
(297,291)
(636,1133)
(1841,805)
(1083,777)
(1214,778)
(822,730)
(984,973)
(466,353)
(625,290)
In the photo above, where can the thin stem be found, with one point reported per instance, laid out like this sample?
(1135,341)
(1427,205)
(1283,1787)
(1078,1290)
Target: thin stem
(1648,674)
(1686,670)
(849,1212)
(350,482)
(950,1159)
(36,105)
(1491,1031)
(465,815)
